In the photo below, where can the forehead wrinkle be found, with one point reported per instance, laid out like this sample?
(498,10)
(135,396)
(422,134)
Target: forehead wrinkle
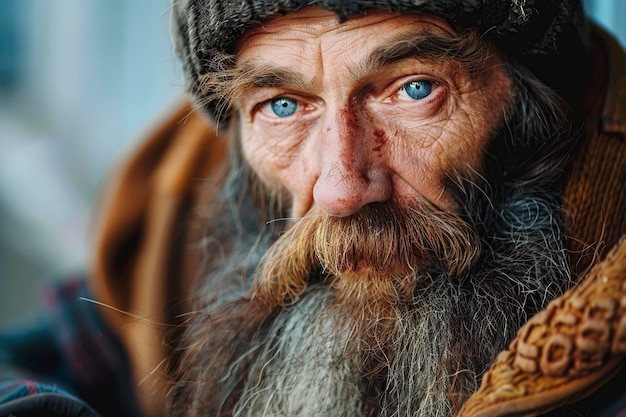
(422,45)
(436,44)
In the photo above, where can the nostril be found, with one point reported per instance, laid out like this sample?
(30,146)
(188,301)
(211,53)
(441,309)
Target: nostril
(338,196)
(343,194)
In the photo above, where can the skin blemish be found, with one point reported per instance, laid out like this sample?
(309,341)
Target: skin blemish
(350,119)
(379,139)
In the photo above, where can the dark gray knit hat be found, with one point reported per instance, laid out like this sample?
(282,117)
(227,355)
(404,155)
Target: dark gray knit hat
(549,36)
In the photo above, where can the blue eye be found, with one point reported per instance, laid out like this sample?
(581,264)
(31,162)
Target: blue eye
(284,106)
(418,90)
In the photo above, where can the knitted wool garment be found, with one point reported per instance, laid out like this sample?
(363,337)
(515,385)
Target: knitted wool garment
(549,36)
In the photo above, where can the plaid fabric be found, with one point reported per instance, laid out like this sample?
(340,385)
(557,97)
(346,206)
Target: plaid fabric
(68,352)
(12,390)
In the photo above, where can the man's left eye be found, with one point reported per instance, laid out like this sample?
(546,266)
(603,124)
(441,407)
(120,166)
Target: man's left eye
(417,90)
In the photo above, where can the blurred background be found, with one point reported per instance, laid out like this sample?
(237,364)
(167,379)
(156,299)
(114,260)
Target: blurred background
(79,81)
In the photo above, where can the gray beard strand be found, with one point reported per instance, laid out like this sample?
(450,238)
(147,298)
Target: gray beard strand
(304,367)
(308,362)
(309,366)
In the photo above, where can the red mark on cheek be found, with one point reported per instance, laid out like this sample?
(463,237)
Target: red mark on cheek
(349,118)
(379,139)
(351,127)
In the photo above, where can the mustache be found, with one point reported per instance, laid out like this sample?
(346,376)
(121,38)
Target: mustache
(398,242)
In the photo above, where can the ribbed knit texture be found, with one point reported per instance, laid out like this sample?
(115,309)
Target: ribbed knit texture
(596,198)
(595,191)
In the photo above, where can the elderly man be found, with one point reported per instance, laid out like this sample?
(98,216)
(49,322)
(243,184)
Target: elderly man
(407,198)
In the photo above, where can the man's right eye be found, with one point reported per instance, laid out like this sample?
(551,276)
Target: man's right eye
(283,106)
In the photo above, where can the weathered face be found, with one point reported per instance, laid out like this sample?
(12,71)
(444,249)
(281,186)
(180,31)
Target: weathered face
(423,176)
(341,115)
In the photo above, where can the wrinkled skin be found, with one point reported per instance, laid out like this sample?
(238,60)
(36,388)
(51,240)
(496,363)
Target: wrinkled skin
(356,136)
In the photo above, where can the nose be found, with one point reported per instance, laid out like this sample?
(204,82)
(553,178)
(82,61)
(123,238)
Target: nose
(353,170)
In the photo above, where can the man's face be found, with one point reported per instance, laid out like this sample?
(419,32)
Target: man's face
(429,232)
(341,115)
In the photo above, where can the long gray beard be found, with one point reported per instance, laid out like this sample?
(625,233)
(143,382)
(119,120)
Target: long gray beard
(311,367)
(318,356)
(314,360)
(305,367)
(423,356)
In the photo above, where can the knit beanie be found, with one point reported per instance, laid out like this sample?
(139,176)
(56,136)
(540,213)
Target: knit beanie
(549,36)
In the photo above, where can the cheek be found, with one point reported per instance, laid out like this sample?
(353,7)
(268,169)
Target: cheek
(463,143)
(427,158)
(258,157)
(456,139)
(478,117)
(282,161)
(425,153)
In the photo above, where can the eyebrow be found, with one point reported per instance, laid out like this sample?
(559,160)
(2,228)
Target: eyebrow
(267,75)
(463,49)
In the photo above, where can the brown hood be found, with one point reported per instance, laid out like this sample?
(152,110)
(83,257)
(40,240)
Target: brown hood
(145,255)
(595,191)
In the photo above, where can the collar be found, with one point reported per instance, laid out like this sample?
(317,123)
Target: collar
(614,107)
(564,353)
